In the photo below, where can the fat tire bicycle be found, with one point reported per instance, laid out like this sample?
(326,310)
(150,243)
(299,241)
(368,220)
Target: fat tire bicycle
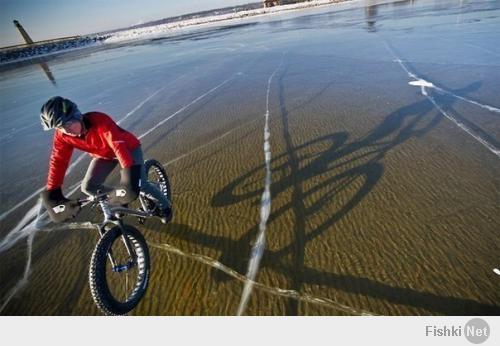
(122,254)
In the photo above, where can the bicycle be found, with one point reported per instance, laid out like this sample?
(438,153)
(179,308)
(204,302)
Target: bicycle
(122,249)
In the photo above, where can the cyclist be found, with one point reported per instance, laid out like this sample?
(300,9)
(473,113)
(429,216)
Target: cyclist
(109,145)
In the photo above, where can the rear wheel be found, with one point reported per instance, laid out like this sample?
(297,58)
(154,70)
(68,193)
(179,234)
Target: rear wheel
(118,287)
(158,177)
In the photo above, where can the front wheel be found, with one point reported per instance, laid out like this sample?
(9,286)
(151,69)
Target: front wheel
(119,270)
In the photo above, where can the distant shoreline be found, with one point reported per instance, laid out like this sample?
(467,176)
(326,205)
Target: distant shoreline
(158,29)
(31,53)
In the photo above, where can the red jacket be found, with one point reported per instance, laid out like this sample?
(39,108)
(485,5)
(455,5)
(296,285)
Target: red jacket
(104,139)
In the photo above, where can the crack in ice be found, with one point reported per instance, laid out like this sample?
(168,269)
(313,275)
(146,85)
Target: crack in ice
(426,84)
(209,143)
(292,294)
(186,106)
(265,208)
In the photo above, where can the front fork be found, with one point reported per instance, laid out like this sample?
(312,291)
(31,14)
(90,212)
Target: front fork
(132,258)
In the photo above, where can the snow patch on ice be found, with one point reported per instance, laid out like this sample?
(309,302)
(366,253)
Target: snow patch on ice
(422,83)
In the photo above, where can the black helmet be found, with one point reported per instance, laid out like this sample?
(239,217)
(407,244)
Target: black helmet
(57,111)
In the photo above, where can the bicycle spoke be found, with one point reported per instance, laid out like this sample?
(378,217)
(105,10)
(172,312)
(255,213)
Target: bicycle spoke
(124,270)
(126,284)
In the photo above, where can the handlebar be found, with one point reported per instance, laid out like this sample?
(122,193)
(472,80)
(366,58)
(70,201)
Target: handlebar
(111,210)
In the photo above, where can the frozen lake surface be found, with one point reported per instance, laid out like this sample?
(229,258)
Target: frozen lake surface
(351,136)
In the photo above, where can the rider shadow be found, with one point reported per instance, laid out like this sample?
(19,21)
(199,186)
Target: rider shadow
(345,165)
(447,101)
(397,127)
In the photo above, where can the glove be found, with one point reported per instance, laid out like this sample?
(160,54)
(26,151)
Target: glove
(59,207)
(129,188)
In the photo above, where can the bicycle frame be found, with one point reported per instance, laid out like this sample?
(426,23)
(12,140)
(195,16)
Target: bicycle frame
(114,215)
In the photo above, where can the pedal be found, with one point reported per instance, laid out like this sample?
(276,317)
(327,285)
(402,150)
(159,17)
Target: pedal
(141,220)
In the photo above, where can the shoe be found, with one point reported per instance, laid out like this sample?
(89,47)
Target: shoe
(166,215)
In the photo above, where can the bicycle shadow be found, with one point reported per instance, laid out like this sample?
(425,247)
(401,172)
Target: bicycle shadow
(345,164)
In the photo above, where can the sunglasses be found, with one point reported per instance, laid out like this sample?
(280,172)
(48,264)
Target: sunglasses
(67,125)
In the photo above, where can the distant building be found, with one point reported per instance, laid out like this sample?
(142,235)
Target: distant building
(271,3)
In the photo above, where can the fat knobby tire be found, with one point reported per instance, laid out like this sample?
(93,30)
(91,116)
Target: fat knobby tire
(97,272)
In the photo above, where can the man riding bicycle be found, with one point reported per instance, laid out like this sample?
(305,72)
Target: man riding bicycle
(109,145)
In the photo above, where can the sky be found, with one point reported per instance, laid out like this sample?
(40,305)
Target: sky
(46,19)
